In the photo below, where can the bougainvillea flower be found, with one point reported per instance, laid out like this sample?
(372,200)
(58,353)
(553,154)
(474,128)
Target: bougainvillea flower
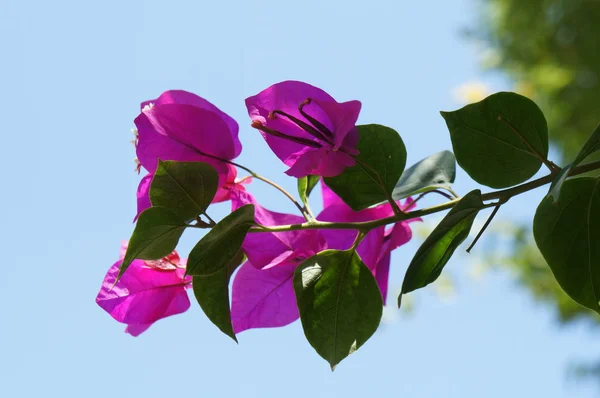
(181,126)
(306,128)
(147,292)
(376,246)
(263,292)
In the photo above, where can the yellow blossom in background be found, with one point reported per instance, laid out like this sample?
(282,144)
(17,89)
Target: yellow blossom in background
(525,89)
(470,92)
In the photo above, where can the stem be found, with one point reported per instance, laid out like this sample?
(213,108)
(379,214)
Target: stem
(487,223)
(421,196)
(449,189)
(358,239)
(308,210)
(551,166)
(365,226)
(212,222)
(504,195)
(306,214)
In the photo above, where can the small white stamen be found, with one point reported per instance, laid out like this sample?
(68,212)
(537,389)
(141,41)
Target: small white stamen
(148,107)
(134,131)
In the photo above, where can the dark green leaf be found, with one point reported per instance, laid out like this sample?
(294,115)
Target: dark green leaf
(186,188)
(434,172)
(568,235)
(495,141)
(378,168)
(591,146)
(221,244)
(434,253)
(306,185)
(212,293)
(339,301)
(155,236)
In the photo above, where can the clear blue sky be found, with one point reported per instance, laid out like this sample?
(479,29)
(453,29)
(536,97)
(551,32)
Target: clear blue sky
(72,75)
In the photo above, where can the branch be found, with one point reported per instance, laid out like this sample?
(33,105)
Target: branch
(502,195)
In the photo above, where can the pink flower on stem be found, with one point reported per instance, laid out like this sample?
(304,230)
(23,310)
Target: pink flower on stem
(184,127)
(306,128)
(377,245)
(147,292)
(263,292)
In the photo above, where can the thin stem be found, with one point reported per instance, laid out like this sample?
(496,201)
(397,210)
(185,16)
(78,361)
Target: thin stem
(308,210)
(421,196)
(365,226)
(304,213)
(551,166)
(449,189)
(212,222)
(487,223)
(359,238)
(286,193)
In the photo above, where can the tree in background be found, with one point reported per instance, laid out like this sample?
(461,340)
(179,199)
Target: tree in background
(550,48)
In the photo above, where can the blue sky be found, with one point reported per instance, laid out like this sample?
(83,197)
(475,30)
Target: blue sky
(73,74)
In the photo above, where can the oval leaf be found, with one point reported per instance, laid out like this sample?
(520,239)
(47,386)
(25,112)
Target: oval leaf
(155,236)
(212,293)
(591,146)
(499,141)
(434,253)
(379,165)
(567,234)
(339,302)
(434,172)
(186,188)
(221,244)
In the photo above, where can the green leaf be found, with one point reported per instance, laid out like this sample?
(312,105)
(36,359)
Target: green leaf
(212,293)
(306,185)
(221,244)
(568,235)
(591,146)
(213,260)
(434,172)
(155,236)
(339,302)
(186,188)
(495,141)
(379,165)
(427,264)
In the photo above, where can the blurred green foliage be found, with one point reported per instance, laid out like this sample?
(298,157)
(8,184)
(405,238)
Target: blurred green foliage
(551,49)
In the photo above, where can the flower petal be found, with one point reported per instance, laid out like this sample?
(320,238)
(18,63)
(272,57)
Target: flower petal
(143,195)
(343,117)
(263,298)
(197,128)
(276,106)
(187,98)
(143,295)
(137,329)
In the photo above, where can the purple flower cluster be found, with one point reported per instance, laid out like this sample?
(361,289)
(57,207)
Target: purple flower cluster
(312,134)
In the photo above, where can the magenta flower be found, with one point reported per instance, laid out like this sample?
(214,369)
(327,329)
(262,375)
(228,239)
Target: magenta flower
(375,248)
(263,292)
(306,128)
(181,126)
(147,292)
